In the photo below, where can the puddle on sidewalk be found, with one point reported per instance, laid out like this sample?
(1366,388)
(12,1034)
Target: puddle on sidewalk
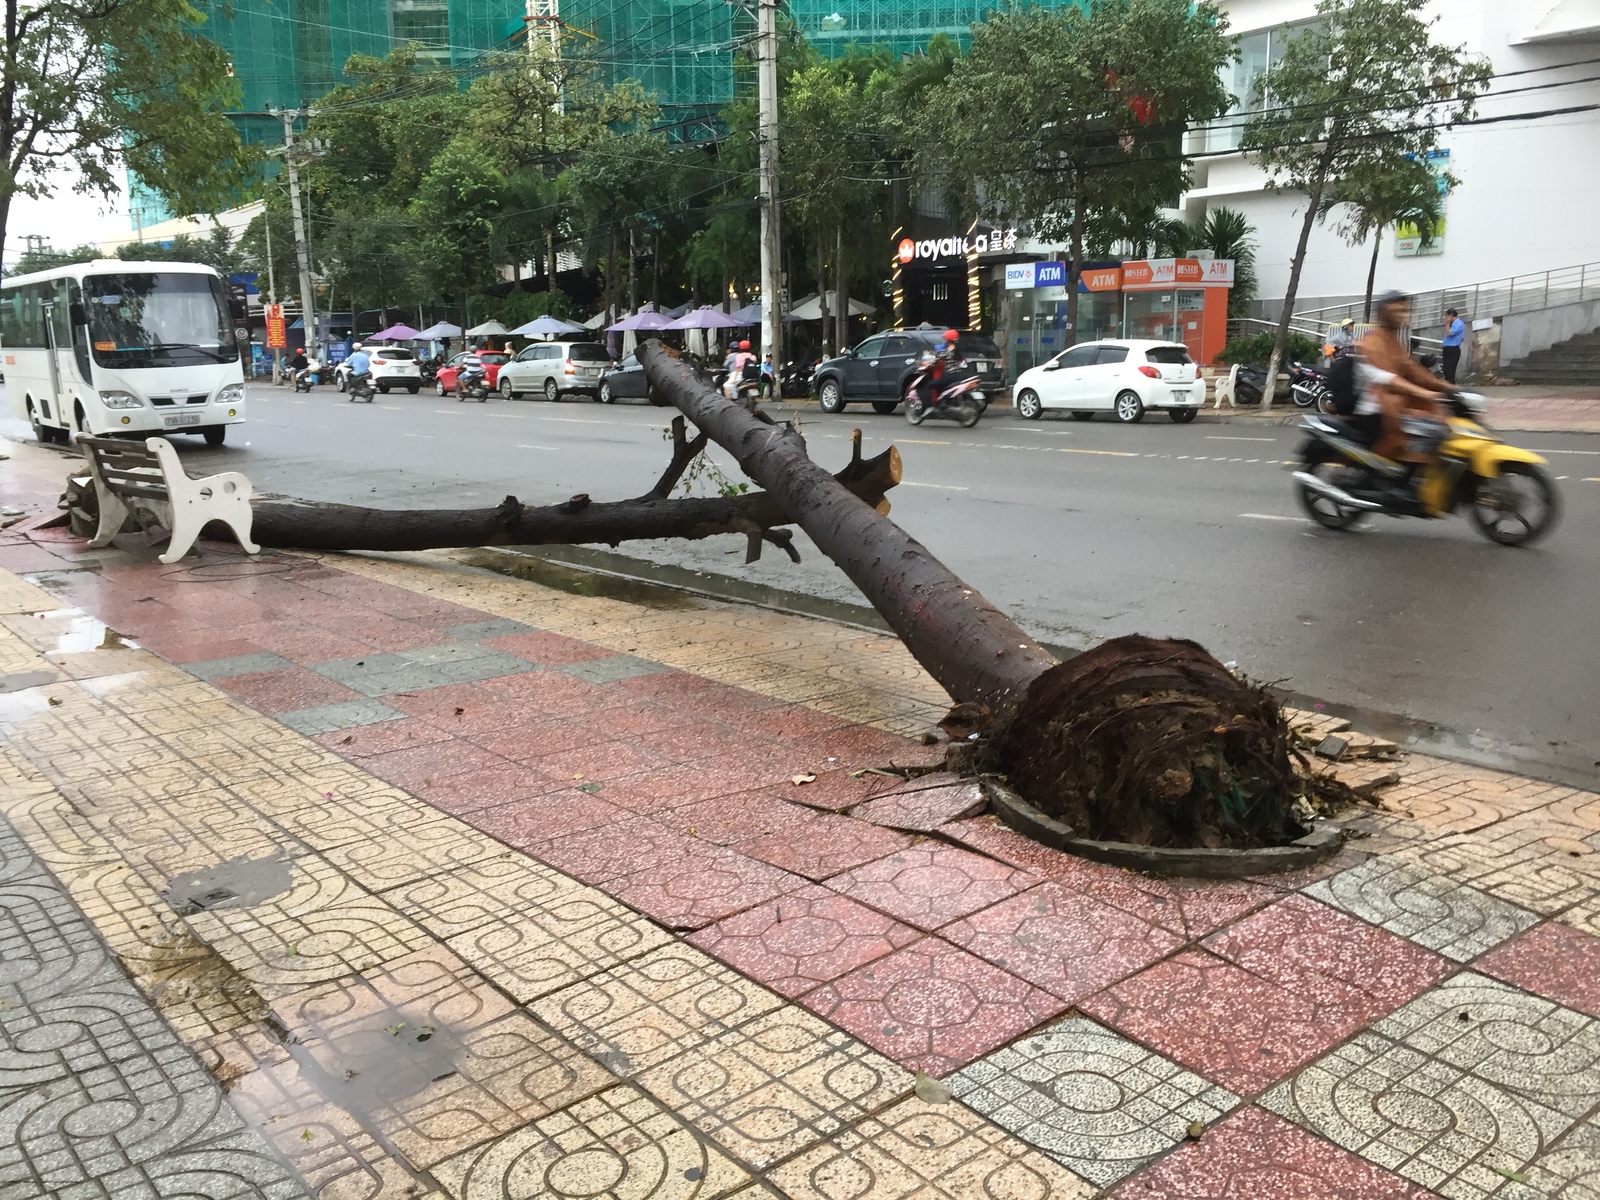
(180,972)
(68,631)
(236,883)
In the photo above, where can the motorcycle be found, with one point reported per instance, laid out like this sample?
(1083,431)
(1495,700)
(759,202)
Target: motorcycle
(307,378)
(956,398)
(361,388)
(749,389)
(1308,389)
(472,384)
(1511,496)
(794,380)
(428,369)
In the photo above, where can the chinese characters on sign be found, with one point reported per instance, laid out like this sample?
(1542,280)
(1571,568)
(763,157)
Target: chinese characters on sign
(993,241)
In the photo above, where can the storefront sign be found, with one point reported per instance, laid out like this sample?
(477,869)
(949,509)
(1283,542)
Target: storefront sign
(1020,276)
(277,333)
(1101,279)
(983,241)
(1157,273)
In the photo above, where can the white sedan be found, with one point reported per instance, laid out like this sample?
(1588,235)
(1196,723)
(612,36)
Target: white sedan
(1123,377)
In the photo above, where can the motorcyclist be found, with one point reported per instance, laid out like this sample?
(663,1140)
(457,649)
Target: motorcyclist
(359,364)
(297,365)
(934,365)
(1342,339)
(734,365)
(1393,389)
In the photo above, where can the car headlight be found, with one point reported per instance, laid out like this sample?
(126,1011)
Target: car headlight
(120,400)
(232,394)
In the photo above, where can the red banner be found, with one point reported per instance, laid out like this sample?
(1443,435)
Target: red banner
(277,331)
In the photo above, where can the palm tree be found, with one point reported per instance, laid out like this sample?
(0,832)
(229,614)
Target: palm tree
(1403,193)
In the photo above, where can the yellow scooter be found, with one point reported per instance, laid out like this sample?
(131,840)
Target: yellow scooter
(1511,496)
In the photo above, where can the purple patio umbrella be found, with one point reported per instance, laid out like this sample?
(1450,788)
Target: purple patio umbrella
(706,317)
(646,319)
(396,333)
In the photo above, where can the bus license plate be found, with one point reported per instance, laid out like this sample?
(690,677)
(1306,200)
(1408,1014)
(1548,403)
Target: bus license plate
(178,419)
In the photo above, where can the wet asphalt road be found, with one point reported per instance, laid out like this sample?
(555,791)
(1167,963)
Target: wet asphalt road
(1081,531)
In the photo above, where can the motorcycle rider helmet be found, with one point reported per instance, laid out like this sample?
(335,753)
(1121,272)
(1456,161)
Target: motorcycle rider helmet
(744,345)
(1347,323)
(951,335)
(354,346)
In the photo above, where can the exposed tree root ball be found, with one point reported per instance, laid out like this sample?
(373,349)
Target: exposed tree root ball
(1154,742)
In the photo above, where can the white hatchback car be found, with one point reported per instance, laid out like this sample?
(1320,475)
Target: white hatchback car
(1123,377)
(392,367)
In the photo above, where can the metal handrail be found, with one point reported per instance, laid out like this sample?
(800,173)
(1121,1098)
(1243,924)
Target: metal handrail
(1493,298)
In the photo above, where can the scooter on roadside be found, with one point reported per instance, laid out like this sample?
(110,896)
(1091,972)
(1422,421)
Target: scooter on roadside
(473,384)
(1308,388)
(956,397)
(1508,490)
(307,377)
(361,388)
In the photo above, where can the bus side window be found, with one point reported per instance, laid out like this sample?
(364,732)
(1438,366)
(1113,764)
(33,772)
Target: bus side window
(72,302)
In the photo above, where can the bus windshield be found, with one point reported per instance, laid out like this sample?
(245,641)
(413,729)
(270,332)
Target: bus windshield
(166,319)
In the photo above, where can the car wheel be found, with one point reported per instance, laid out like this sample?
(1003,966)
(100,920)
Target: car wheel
(884,406)
(1029,407)
(384,388)
(830,396)
(440,388)
(215,434)
(1181,416)
(551,392)
(1083,416)
(506,389)
(606,394)
(1130,409)
(342,383)
(414,388)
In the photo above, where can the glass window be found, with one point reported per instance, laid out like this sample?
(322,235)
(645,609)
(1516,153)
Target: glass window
(1079,356)
(22,321)
(423,21)
(631,363)
(526,353)
(396,355)
(899,346)
(1112,354)
(589,352)
(495,359)
(1172,356)
(871,348)
(158,319)
(1259,52)
(976,345)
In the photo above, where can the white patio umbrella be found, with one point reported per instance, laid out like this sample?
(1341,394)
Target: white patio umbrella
(489,329)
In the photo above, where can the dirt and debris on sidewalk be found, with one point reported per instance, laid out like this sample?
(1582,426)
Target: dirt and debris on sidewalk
(439,883)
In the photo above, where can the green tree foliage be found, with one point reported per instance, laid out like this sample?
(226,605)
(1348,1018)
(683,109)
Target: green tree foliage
(47,258)
(1353,98)
(1382,194)
(215,249)
(104,85)
(1075,115)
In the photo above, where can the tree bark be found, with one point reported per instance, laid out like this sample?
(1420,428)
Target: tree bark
(579,520)
(1280,341)
(550,258)
(822,295)
(1074,270)
(1372,272)
(841,294)
(975,651)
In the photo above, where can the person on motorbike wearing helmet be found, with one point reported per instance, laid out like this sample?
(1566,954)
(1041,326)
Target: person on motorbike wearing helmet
(734,365)
(1341,340)
(935,364)
(360,363)
(1392,385)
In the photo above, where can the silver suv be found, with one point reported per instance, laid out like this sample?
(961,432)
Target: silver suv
(553,369)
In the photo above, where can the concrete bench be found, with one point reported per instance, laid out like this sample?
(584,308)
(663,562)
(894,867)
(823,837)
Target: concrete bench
(131,479)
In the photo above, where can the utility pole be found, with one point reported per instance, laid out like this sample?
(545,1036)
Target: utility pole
(308,310)
(272,293)
(767,136)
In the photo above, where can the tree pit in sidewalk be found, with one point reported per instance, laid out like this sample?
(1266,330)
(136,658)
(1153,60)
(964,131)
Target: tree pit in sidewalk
(1153,743)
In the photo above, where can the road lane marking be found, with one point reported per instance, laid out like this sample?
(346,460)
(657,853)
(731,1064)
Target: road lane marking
(925,442)
(1270,517)
(1542,450)
(1223,437)
(1112,453)
(949,487)
(1592,479)
(520,446)
(421,435)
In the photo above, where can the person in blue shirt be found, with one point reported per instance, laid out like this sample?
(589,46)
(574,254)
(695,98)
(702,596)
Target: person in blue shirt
(359,362)
(1455,332)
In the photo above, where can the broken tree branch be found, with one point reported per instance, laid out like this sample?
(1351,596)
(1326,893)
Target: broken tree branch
(974,650)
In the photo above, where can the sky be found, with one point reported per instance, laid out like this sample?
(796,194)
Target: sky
(65,219)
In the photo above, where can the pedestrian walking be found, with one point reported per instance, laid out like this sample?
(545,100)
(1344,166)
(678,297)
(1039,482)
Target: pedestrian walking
(1455,332)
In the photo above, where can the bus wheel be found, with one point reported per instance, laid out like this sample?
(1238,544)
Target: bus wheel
(215,434)
(42,433)
(80,423)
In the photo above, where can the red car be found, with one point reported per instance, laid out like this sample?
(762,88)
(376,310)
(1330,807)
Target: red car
(492,360)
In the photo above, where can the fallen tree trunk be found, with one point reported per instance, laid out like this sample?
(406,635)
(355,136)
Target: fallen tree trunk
(578,521)
(1147,741)
(975,651)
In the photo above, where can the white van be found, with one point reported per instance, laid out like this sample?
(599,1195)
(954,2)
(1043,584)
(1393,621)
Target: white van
(121,347)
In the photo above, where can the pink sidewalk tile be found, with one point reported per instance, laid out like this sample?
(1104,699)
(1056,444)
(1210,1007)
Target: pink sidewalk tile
(422,765)
(1253,1155)
(406,733)
(1310,948)
(548,649)
(699,884)
(602,856)
(824,845)
(802,939)
(485,787)
(1555,961)
(931,884)
(1223,1022)
(729,820)
(538,820)
(285,690)
(932,1006)
(1069,944)
(925,810)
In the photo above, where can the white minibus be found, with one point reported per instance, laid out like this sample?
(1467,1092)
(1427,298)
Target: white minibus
(122,347)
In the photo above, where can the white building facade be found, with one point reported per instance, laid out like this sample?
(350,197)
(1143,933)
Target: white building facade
(1527,197)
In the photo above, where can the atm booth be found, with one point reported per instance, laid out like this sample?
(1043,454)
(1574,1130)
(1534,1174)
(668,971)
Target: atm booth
(1163,299)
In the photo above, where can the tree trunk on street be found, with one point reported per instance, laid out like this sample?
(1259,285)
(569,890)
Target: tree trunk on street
(841,294)
(550,258)
(822,294)
(975,651)
(1074,270)
(1280,341)
(1372,272)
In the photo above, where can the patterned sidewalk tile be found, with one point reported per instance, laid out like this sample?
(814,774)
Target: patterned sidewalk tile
(1091,1099)
(652,1008)
(1255,1156)
(1223,1022)
(347,714)
(931,884)
(1522,861)
(702,884)
(616,1144)
(932,1006)
(1063,941)
(1468,1082)
(1570,1170)
(775,1085)
(802,939)
(492,889)
(924,810)
(1307,947)
(929,1152)
(1458,921)
(436,1058)
(434,846)
(1553,960)
(824,846)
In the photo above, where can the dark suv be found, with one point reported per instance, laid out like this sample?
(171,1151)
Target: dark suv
(879,369)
